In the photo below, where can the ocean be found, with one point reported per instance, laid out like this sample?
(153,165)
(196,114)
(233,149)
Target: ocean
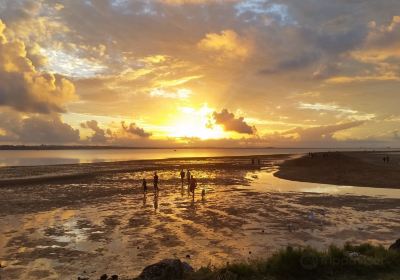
(54,157)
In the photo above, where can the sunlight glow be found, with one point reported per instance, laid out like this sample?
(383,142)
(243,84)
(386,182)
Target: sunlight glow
(196,123)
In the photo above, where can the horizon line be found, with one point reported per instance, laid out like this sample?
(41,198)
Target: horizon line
(110,147)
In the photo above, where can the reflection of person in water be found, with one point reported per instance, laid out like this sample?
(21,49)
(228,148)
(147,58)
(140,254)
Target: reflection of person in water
(144,185)
(155,202)
(155,181)
(188,176)
(144,199)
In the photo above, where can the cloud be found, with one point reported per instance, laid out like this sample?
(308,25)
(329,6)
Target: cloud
(133,129)
(230,123)
(181,2)
(179,94)
(377,58)
(99,135)
(213,48)
(384,36)
(24,88)
(323,133)
(227,43)
(36,129)
(44,130)
(341,111)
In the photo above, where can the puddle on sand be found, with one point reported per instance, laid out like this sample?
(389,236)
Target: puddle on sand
(245,214)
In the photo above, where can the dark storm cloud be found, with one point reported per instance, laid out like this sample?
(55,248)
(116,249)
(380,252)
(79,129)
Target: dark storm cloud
(231,123)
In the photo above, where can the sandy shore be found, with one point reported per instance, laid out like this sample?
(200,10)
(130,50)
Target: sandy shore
(364,169)
(102,223)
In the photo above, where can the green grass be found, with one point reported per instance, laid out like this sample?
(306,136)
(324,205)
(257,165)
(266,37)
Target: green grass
(350,262)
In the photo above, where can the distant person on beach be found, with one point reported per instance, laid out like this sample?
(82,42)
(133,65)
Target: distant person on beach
(203,193)
(193,185)
(155,181)
(386,159)
(144,185)
(182,176)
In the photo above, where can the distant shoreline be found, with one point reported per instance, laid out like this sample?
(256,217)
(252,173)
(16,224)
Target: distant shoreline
(345,169)
(89,147)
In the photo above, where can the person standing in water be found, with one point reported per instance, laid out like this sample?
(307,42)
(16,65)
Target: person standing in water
(193,185)
(144,185)
(182,176)
(155,181)
(188,176)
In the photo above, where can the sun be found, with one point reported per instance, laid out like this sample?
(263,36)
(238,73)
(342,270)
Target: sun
(195,123)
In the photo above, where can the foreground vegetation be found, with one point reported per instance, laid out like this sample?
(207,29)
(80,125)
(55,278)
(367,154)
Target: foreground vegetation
(350,262)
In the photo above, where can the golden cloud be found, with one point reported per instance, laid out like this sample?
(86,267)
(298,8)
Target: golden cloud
(228,43)
(23,87)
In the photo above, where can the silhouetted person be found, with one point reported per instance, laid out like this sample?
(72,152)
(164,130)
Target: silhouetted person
(203,193)
(155,181)
(193,185)
(188,176)
(182,176)
(144,185)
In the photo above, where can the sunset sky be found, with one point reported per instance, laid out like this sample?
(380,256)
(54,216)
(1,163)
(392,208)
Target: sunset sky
(285,73)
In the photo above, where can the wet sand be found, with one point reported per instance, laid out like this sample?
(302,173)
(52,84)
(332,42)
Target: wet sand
(364,169)
(102,223)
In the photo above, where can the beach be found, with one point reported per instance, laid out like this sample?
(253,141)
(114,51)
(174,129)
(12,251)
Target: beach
(363,169)
(65,221)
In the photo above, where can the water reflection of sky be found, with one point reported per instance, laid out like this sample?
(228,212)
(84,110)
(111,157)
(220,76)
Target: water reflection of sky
(50,157)
(23,161)
(126,231)
(266,181)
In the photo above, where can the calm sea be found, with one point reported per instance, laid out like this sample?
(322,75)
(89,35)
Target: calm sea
(51,157)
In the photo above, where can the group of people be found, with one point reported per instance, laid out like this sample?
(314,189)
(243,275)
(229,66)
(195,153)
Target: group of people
(155,183)
(191,181)
(386,159)
(255,161)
